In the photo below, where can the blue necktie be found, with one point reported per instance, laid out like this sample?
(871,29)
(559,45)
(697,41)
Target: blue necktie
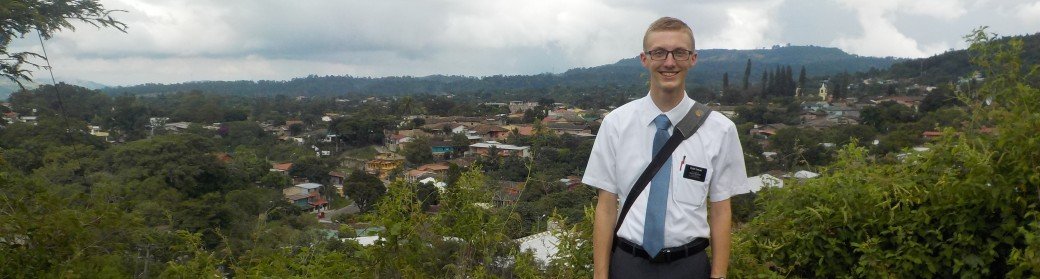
(657,202)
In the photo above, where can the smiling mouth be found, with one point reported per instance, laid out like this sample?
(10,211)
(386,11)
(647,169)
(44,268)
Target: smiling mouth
(668,74)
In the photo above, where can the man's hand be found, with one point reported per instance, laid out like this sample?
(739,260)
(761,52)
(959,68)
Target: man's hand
(603,233)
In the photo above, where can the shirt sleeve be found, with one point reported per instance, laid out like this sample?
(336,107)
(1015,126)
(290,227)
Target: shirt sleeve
(730,177)
(600,171)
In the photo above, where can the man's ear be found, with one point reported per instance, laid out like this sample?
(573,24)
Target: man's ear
(693,59)
(644,60)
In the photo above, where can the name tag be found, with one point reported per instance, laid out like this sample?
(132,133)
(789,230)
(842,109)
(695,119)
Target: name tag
(695,173)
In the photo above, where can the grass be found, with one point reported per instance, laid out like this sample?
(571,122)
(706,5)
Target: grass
(366,153)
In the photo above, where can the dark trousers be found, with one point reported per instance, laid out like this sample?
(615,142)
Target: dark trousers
(625,265)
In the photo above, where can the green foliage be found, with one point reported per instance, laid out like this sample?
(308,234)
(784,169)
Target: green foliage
(418,151)
(886,115)
(312,168)
(966,208)
(574,255)
(196,263)
(364,189)
(361,129)
(21,17)
(185,162)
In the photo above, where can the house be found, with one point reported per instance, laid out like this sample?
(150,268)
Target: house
(306,196)
(543,245)
(438,168)
(815,106)
(97,132)
(523,130)
(568,128)
(491,132)
(336,179)
(418,175)
(572,182)
(484,148)
(766,131)
(440,147)
(11,117)
(841,111)
(508,193)
(728,111)
(289,123)
(383,164)
(807,115)
(463,162)
(177,126)
(440,185)
(819,123)
(520,107)
(223,157)
(564,116)
(804,174)
(758,182)
(281,167)
(909,101)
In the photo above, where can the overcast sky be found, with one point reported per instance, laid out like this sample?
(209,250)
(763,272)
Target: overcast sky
(179,40)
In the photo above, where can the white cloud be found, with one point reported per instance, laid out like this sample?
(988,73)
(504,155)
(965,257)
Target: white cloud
(1029,13)
(881,37)
(746,26)
(943,9)
(182,40)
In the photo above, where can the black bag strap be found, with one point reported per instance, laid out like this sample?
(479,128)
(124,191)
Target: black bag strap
(683,130)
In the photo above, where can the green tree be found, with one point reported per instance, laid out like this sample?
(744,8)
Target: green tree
(942,96)
(460,143)
(802,79)
(418,151)
(185,162)
(130,116)
(361,129)
(364,189)
(884,116)
(919,217)
(21,17)
(312,168)
(725,81)
(747,74)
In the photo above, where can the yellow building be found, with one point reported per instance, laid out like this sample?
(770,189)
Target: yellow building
(383,164)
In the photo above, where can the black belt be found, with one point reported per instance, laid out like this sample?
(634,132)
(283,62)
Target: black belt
(666,255)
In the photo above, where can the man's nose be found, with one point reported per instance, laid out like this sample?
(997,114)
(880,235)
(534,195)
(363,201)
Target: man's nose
(669,60)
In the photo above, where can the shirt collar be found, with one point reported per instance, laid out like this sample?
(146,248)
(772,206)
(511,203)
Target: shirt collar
(677,113)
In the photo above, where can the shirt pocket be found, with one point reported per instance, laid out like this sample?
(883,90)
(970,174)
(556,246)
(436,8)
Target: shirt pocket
(690,192)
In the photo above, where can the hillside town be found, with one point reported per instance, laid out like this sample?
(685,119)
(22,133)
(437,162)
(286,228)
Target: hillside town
(428,149)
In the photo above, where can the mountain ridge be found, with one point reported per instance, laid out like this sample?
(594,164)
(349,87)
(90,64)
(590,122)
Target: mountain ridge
(712,64)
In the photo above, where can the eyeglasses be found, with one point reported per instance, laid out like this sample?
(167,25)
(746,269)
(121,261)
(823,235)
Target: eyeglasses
(678,54)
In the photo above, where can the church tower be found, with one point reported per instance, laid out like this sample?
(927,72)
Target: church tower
(823,92)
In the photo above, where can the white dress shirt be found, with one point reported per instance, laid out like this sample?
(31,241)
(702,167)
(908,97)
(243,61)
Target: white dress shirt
(622,151)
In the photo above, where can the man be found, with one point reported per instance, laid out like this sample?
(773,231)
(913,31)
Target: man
(665,232)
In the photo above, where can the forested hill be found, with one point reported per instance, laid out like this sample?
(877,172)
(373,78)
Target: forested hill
(951,65)
(709,71)
(714,63)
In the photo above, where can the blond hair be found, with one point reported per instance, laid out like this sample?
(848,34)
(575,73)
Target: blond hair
(670,24)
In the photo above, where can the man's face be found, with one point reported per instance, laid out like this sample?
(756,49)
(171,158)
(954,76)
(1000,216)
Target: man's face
(668,75)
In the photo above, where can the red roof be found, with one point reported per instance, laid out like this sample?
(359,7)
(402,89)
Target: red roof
(433,167)
(224,157)
(931,134)
(282,166)
(337,174)
(525,130)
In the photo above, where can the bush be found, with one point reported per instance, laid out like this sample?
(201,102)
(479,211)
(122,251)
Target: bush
(966,208)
